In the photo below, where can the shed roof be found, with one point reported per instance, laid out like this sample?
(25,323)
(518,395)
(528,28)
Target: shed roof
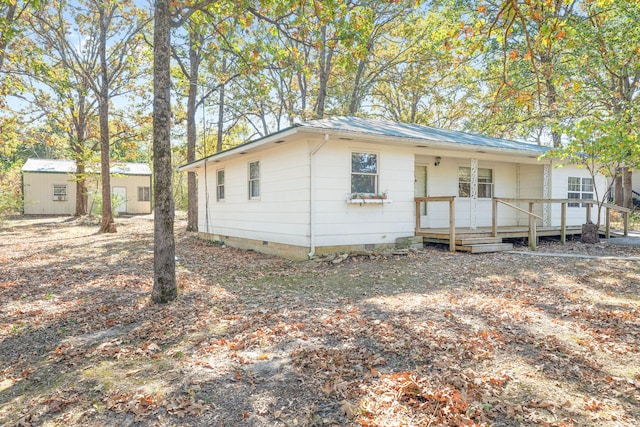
(69,166)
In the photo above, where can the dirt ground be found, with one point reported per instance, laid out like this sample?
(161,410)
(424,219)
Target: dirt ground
(426,338)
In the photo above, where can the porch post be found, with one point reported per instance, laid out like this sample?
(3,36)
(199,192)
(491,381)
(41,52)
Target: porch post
(452,224)
(473,197)
(533,238)
(546,194)
(494,217)
(563,223)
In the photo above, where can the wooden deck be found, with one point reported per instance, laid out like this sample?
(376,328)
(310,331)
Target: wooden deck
(490,239)
(481,240)
(511,232)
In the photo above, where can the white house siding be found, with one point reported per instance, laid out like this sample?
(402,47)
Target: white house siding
(280,215)
(635,182)
(530,186)
(38,194)
(560,187)
(339,223)
(131,183)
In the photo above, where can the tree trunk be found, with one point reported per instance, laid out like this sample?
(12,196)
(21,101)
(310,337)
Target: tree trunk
(164,262)
(82,199)
(107,224)
(627,186)
(192,195)
(4,33)
(221,108)
(618,193)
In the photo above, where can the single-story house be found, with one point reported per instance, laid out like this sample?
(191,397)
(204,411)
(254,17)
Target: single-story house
(349,183)
(49,187)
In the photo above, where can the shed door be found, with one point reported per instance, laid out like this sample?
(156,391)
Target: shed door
(420,188)
(119,199)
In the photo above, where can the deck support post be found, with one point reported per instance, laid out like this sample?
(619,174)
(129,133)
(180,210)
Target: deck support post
(563,223)
(418,203)
(452,225)
(533,238)
(494,218)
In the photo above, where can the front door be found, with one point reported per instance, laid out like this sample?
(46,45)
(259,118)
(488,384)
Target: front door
(420,189)
(119,199)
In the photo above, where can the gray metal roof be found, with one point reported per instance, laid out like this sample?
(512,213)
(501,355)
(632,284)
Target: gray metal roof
(50,166)
(359,125)
(69,166)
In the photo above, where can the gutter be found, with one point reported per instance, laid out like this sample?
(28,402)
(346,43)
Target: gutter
(312,213)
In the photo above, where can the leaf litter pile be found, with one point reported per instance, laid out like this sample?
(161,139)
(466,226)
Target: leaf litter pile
(422,338)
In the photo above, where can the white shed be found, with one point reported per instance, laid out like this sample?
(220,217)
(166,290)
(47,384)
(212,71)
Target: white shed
(49,187)
(351,183)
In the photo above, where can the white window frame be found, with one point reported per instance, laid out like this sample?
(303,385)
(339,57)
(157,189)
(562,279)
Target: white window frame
(577,190)
(253,183)
(145,192)
(375,176)
(488,184)
(57,195)
(220,185)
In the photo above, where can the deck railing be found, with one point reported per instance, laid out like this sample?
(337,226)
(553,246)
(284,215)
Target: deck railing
(452,215)
(532,232)
(563,215)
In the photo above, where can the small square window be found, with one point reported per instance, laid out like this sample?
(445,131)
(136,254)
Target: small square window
(144,194)
(59,192)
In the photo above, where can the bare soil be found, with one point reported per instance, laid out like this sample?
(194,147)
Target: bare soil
(422,338)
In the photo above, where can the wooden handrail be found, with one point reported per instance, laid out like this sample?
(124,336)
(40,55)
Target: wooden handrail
(533,238)
(452,215)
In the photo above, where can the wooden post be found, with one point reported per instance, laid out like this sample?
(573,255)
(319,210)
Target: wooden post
(417,215)
(563,223)
(452,225)
(625,220)
(607,227)
(494,218)
(533,244)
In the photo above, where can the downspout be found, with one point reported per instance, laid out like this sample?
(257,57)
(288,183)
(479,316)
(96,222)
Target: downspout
(312,214)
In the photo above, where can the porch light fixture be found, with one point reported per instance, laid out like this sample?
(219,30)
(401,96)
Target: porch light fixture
(437,163)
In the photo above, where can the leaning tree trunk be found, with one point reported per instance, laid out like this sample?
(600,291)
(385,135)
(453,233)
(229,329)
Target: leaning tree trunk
(164,262)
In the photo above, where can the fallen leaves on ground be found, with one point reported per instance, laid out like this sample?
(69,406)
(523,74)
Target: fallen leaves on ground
(420,338)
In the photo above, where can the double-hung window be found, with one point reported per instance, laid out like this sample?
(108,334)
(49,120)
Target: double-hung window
(579,188)
(60,192)
(144,194)
(220,184)
(485,182)
(364,173)
(254,180)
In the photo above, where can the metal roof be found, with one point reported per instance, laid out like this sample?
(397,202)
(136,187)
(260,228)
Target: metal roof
(69,166)
(385,131)
(359,125)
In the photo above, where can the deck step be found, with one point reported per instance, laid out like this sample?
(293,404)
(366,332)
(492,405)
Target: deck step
(466,241)
(485,247)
